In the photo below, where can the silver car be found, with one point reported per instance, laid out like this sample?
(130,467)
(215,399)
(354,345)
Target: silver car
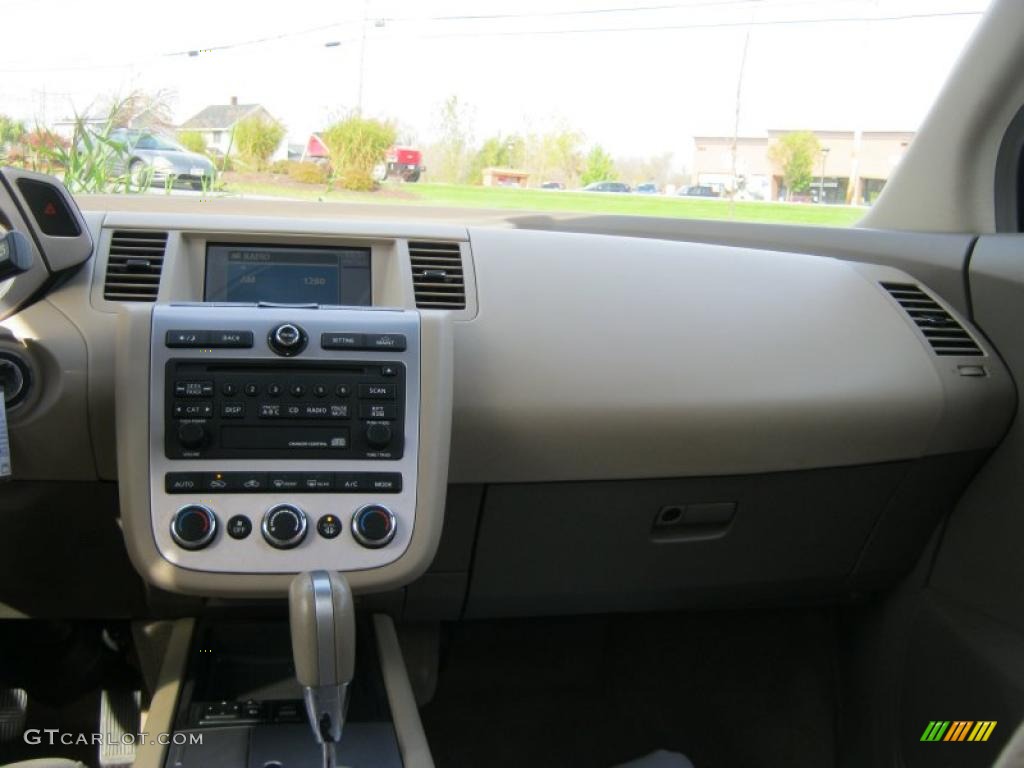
(161,159)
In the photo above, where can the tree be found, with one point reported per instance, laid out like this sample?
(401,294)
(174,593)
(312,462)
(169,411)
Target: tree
(794,155)
(140,109)
(11,130)
(192,141)
(555,155)
(256,138)
(599,166)
(452,148)
(498,152)
(357,145)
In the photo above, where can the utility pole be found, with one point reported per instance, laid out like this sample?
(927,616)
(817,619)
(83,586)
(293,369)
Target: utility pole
(821,189)
(362,60)
(736,123)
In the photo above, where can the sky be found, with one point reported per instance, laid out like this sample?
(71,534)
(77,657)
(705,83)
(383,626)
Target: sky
(638,78)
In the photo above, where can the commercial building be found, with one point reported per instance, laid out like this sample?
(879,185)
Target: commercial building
(852,167)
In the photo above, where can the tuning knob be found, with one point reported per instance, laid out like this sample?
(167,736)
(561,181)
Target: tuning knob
(378,435)
(287,339)
(192,435)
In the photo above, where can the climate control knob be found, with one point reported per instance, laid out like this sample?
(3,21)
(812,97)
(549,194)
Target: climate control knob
(287,339)
(378,435)
(193,526)
(284,526)
(374,526)
(192,436)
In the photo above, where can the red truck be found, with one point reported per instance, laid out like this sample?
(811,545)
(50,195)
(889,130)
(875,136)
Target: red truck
(405,163)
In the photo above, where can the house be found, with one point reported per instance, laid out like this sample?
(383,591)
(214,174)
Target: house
(315,149)
(217,121)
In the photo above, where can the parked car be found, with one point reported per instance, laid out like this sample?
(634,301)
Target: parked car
(606,186)
(552,185)
(699,190)
(648,188)
(159,158)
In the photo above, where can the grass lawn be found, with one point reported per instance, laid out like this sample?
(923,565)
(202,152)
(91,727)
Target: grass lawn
(466,196)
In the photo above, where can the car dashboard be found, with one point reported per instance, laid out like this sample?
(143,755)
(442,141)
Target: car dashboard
(482,420)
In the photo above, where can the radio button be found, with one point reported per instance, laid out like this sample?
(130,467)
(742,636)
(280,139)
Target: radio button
(185,339)
(341,341)
(284,526)
(230,339)
(377,411)
(198,410)
(239,527)
(377,391)
(391,341)
(232,411)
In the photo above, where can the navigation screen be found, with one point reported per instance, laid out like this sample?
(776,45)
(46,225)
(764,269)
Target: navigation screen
(287,275)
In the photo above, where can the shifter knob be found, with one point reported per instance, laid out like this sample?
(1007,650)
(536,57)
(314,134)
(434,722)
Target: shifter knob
(323,628)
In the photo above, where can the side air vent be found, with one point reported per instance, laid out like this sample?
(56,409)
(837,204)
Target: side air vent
(945,334)
(133,265)
(437,276)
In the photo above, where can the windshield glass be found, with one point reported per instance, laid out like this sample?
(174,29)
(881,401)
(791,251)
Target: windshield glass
(781,110)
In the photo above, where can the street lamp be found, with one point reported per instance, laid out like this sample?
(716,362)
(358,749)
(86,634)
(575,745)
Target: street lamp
(821,189)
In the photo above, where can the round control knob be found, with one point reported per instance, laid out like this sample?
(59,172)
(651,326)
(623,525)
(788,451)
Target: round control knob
(193,526)
(374,526)
(287,339)
(192,435)
(284,526)
(378,435)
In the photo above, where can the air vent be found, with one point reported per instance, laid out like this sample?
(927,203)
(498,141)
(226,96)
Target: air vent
(133,266)
(437,276)
(945,334)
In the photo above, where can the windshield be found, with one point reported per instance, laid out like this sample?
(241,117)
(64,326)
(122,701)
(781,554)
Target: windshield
(781,110)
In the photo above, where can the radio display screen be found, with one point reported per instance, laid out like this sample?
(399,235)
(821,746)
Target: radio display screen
(288,275)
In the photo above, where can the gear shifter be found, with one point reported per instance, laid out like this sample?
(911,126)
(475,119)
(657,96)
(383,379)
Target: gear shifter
(323,627)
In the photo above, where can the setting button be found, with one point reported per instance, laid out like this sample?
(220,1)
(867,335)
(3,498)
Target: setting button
(341,341)
(239,527)
(329,526)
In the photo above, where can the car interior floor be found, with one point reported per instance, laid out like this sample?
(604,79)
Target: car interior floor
(725,688)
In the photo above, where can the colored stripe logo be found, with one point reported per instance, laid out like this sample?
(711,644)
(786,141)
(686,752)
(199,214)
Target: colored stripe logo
(958,730)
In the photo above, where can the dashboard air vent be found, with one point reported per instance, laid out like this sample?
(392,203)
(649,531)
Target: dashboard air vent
(437,276)
(945,334)
(133,265)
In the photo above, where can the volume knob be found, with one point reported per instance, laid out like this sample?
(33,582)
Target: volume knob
(192,435)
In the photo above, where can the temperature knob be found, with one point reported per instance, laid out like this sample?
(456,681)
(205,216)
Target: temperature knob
(374,526)
(193,526)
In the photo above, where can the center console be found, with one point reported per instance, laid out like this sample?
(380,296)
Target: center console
(265,429)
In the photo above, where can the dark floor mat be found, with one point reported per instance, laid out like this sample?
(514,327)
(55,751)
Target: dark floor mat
(726,689)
